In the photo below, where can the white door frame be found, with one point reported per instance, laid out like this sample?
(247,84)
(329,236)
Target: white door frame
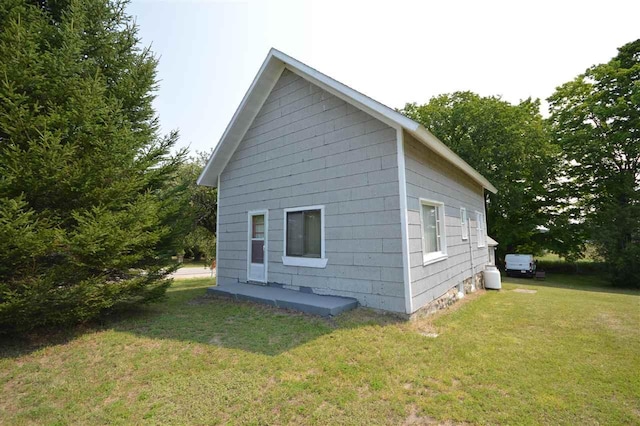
(250,214)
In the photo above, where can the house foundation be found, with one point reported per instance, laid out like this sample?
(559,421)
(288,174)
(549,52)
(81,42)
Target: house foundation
(470,284)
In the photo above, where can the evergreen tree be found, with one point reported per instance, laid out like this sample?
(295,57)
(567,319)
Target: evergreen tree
(87,220)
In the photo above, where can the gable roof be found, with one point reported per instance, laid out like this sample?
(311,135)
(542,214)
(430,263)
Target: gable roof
(264,82)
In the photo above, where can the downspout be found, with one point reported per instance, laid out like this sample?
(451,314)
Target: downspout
(461,285)
(473,267)
(217,228)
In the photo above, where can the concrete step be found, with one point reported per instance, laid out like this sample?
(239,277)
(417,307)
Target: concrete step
(310,303)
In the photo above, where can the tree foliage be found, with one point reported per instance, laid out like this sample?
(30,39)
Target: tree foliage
(87,221)
(596,120)
(510,146)
(200,210)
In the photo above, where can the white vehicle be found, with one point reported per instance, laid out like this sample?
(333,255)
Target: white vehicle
(520,264)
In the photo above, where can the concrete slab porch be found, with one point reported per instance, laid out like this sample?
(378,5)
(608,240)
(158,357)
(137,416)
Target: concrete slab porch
(310,303)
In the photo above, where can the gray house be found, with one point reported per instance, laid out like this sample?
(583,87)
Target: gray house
(324,190)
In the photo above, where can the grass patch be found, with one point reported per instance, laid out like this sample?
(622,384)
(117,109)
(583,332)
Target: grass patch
(195,264)
(567,354)
(549,257)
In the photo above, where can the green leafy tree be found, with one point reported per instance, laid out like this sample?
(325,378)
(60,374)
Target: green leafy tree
(87,221)
(596,120)
(200,210)
(510,146)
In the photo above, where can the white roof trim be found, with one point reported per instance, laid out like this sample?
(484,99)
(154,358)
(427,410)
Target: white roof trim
(491,242)
(262,85)
(257,93)
(431,141)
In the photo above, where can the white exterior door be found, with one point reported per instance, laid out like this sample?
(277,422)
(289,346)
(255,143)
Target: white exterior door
(257,246)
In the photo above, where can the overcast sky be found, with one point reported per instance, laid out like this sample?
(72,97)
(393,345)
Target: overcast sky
(393,51)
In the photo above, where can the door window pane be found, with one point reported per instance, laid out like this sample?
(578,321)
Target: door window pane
(257,229)
(257,251)
(304,233)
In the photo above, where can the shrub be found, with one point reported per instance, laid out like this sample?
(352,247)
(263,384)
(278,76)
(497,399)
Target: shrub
(564,267)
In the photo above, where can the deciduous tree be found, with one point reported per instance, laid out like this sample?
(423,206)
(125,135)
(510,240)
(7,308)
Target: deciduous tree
(510,146)
(200,209)
(596,120)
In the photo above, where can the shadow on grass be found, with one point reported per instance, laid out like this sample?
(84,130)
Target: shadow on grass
(14,346)
(593,283)
(189,316)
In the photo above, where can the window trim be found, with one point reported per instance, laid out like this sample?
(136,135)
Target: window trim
(464,224)
(482,242)
(307,262)
(436,256)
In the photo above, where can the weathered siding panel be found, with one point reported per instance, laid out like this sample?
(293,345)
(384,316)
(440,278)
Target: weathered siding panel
(432,177)
(307,147)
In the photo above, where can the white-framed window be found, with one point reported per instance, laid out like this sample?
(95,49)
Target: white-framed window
(304,237)
(434,242)
(464,223)
(481,230)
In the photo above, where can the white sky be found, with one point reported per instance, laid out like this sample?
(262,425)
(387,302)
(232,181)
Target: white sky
(393,51)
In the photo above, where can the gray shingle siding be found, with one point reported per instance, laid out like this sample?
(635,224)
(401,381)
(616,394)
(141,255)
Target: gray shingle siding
(307,147)
(432,177)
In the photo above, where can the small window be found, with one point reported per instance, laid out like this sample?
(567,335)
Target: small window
(433,238)
(481,230)
(304,237)
(464,223)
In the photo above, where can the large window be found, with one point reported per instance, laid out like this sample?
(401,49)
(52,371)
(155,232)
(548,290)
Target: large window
(481,230)
(303,233)
(304,237)
(434,245)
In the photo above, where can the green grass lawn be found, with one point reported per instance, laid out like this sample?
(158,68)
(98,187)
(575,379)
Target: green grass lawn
(569,354)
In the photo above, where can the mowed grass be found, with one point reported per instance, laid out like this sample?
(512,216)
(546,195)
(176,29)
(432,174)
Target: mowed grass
(568,354)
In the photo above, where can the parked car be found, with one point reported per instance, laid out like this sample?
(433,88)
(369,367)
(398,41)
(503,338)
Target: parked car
(520,265)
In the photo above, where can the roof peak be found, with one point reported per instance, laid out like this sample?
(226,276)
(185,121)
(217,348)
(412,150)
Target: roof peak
(271,69)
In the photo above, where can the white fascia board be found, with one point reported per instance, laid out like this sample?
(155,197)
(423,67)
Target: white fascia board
(428,139)
(249,107)
(347,94)
(217,224)
(381,112)
(404,222)
(262,85)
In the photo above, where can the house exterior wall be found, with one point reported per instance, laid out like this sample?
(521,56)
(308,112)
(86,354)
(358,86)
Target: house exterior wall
(307,147)
(430,176)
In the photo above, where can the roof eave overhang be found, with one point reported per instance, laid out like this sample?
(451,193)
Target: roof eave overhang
(433,143)
(264,82)
(249,107)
